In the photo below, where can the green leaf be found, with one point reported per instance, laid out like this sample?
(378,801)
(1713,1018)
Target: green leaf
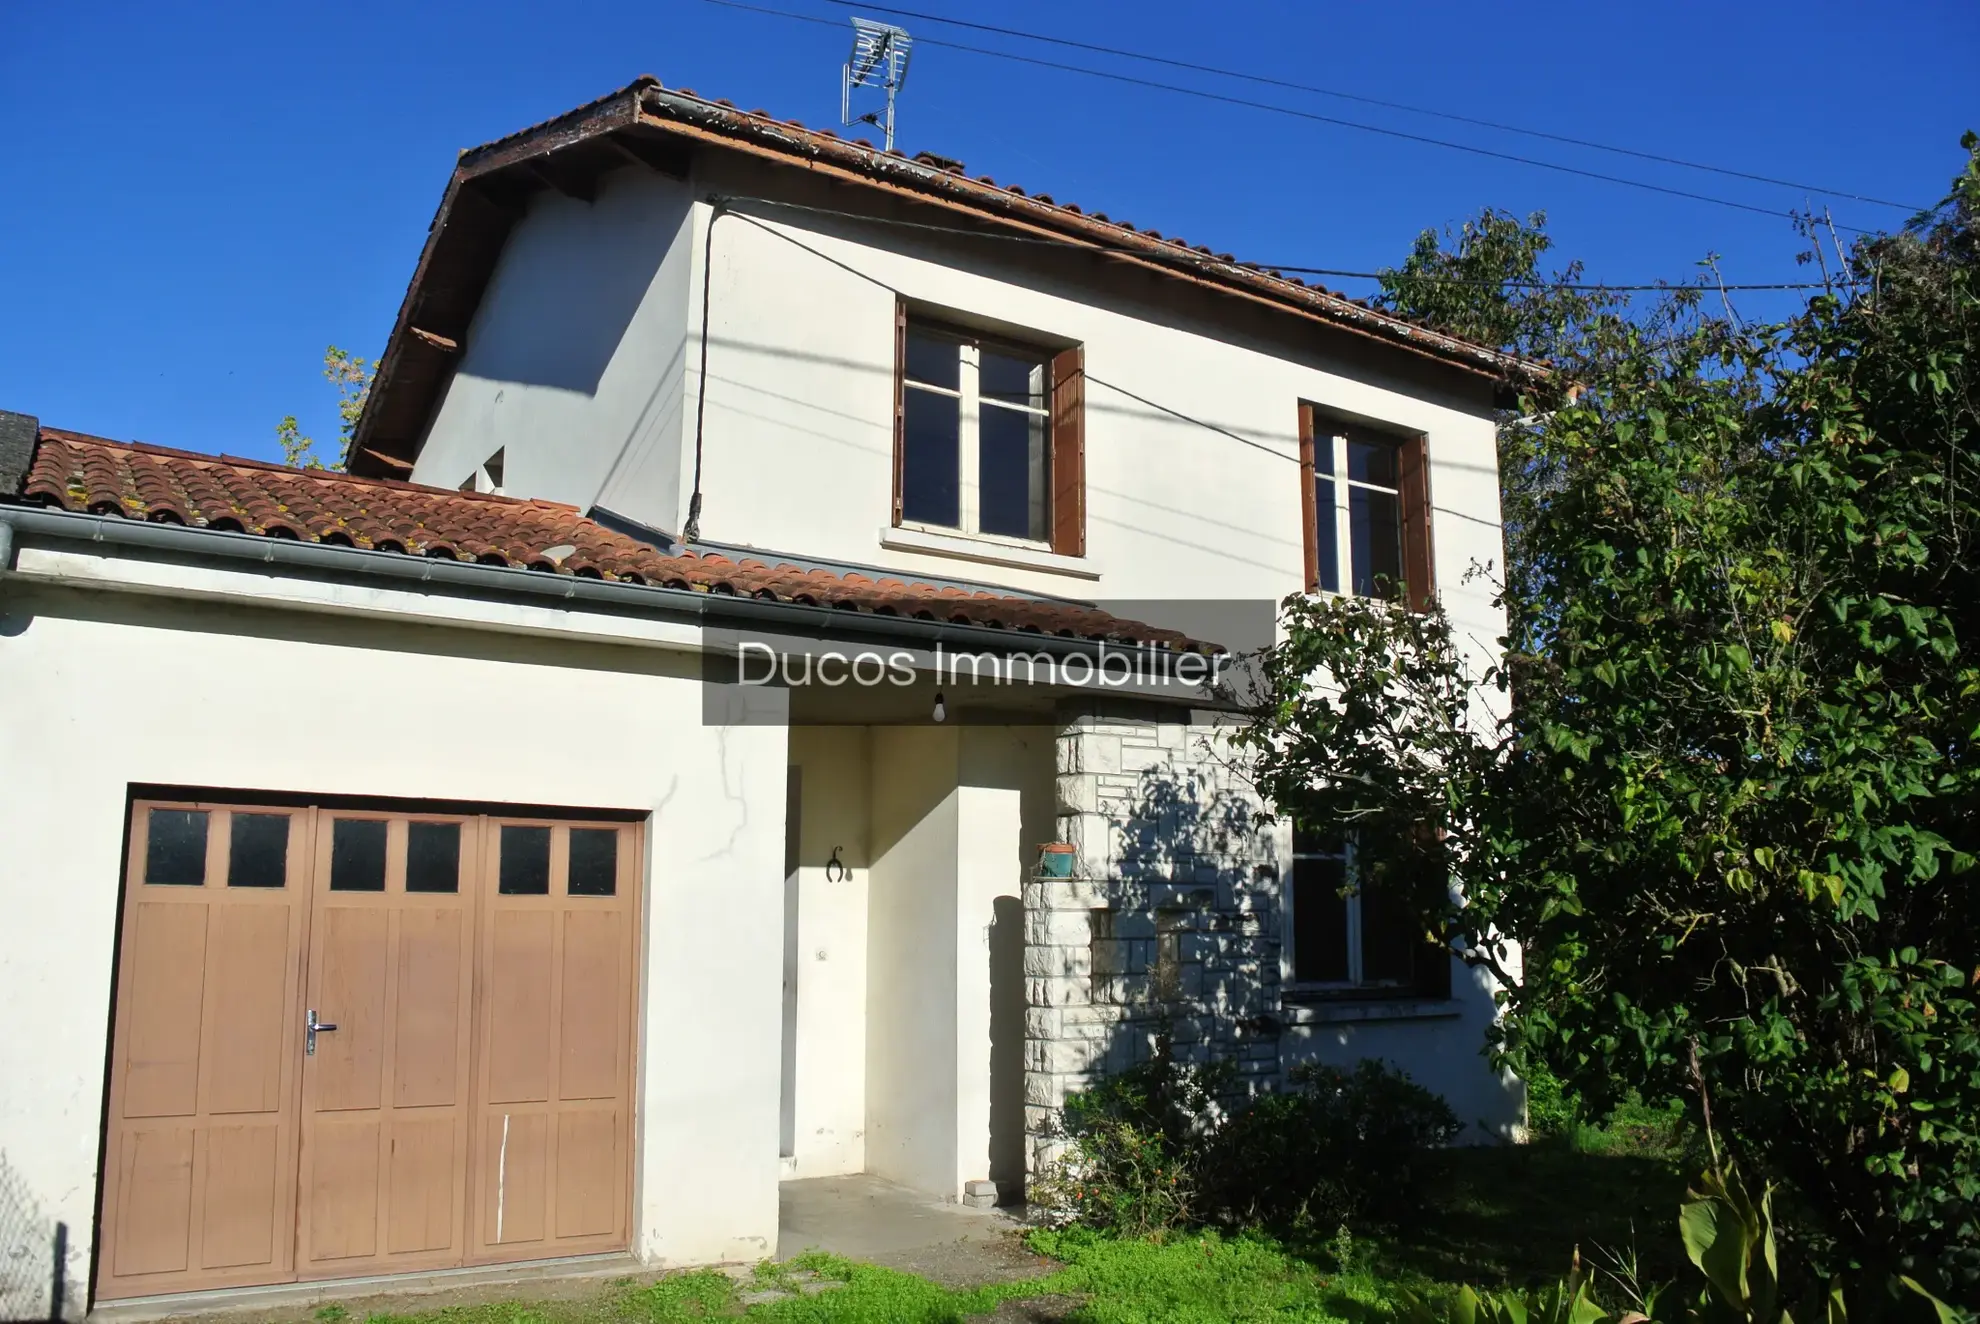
(1943,1313)
(1714,1239)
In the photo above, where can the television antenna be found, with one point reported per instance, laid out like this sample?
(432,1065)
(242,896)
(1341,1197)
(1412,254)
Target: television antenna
(879,59)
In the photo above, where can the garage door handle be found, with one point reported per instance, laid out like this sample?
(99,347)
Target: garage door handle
(314,1027)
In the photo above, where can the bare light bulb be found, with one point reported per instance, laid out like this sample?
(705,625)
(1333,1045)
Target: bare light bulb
(941,711)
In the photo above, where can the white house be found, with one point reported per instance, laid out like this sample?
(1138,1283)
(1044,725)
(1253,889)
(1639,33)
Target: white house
(421,868)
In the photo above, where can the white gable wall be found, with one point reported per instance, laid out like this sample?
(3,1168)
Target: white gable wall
(573,366)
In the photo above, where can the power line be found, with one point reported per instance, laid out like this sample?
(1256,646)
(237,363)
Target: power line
(1190,257)
(1269,81)
(1313,116)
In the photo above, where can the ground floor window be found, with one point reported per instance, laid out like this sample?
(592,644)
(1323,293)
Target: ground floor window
(1346,934)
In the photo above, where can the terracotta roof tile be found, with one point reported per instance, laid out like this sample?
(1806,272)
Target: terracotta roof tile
(75,472)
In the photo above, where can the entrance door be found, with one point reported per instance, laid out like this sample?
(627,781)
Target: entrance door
(385,1076)
(354,1042)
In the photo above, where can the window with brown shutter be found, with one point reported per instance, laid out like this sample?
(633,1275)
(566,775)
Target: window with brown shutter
(1365,508)
(989,437)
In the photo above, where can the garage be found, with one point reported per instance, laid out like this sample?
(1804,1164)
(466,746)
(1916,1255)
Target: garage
(366,1039)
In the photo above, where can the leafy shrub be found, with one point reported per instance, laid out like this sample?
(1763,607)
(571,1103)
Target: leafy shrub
(1135,1143)
(1550,1109)
(1337,1147)
(1118,1178)
(1156,1147)
(1178,1102)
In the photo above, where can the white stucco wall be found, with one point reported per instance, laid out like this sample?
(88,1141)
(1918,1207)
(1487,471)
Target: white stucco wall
(1193,494)
(989,830)
(956,815)
(1009,773)
(830,1043)
(911,981)
(1440,1045)
(105,690)
(574,363)
(1192,489)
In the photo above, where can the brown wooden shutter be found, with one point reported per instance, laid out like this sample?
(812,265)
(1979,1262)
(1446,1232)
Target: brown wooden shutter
(900,402)
(1307,514)
(1069,452)
(1413,465)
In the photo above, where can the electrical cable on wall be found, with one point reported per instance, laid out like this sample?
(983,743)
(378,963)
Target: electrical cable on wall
(691,531)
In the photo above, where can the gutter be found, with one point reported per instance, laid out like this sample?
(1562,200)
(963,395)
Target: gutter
(707,609)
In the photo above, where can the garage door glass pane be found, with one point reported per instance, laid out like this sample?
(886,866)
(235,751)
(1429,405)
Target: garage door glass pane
(357,855)
(594,862)
(175,848)
(259,854)
(525,861)
(433,857)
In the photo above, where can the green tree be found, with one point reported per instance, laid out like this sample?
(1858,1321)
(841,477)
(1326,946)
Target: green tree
(1724,792)
(351,376)
(1484,280)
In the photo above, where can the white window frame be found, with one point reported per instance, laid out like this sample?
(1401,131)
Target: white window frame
(1355,982)
(1337,442)
(969,496)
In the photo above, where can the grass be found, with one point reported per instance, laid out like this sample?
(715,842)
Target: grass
(1194,1279)
(1515,1216)
(1498,1216)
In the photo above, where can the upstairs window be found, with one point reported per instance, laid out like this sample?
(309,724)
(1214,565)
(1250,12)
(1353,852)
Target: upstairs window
(1366,501)
(1344,936)
(989,437)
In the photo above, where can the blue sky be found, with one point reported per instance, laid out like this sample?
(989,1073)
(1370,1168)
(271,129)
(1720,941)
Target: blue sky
(200,198)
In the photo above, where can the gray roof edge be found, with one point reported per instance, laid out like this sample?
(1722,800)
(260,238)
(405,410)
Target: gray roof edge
(710,610)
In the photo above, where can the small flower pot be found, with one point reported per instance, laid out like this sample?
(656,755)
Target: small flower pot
(1055,860)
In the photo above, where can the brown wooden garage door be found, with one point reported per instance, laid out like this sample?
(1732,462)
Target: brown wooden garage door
(466,1095)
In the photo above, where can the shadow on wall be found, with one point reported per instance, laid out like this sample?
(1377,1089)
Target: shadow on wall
(1178,932)
(576,275)
(34,1255)
(1007,1049)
